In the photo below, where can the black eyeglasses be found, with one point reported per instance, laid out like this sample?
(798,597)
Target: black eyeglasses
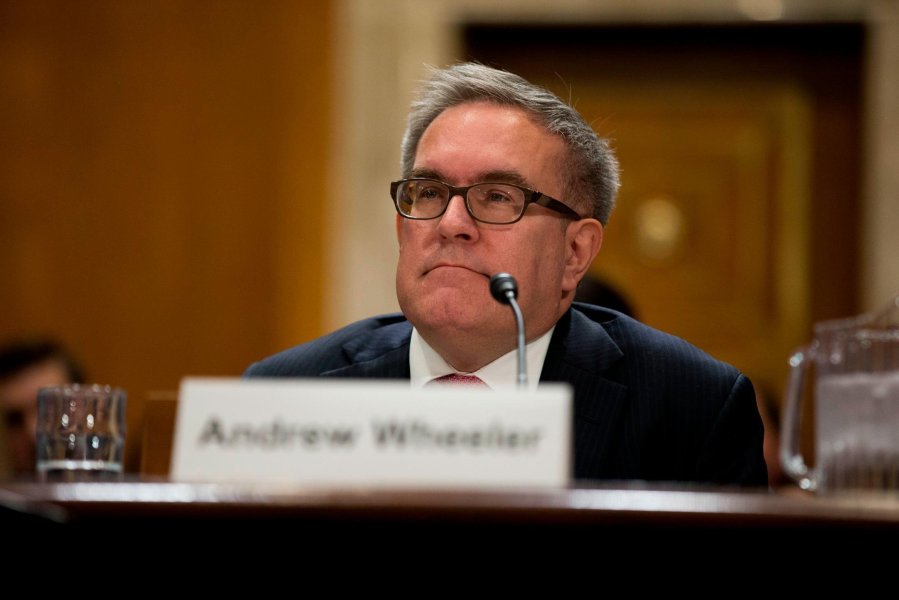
(494,203)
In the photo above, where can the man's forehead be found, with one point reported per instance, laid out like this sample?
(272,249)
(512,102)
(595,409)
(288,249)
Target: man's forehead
(485,141)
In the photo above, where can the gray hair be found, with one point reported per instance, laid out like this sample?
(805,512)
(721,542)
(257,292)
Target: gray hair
(591,173)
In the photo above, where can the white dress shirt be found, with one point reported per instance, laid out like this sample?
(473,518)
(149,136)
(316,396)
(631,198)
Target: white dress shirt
(425,364)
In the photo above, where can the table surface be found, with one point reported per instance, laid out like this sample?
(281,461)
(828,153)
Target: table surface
(607,503)
(424,534)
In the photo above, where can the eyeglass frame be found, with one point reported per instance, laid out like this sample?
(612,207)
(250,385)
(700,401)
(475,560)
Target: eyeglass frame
(530,197)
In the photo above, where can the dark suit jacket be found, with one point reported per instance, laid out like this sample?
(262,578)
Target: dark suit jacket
(647,405)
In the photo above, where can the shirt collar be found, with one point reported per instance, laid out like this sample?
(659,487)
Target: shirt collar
(425,363)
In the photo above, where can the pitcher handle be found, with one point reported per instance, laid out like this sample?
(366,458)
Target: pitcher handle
(791,458)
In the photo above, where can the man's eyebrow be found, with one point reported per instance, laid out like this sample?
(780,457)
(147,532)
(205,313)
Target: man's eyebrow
(486,176)
(426,174)
(503,177)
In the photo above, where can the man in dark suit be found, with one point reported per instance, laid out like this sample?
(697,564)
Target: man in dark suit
(502,176)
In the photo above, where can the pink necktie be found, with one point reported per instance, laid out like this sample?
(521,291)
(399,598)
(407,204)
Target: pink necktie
(457,379)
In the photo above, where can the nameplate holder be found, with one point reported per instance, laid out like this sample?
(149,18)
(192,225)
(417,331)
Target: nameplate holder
(371,433)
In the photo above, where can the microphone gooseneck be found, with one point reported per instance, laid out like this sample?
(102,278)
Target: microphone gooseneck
(504,289)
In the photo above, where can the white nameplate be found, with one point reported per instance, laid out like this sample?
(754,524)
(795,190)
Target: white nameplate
(370,433)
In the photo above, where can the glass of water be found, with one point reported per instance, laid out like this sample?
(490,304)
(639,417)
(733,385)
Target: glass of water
(80,433)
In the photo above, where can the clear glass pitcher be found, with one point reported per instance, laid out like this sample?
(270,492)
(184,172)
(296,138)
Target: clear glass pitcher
(855,367)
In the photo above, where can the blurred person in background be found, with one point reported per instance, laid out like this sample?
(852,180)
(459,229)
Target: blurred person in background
(593,290)
(769,409)
(25,367)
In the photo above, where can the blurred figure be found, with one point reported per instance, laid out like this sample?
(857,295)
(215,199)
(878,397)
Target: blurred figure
(770,413)
(25,367)
(594,290)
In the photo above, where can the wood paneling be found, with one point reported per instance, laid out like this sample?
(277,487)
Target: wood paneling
(162,183)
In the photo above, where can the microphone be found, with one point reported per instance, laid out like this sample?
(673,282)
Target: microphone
(504,289)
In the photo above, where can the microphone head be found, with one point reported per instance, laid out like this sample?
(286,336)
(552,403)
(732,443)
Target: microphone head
(503,286)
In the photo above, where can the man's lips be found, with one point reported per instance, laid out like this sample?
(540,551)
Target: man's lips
(454,266)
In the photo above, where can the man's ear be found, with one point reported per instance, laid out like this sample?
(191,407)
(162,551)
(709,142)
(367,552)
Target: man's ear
(583,240)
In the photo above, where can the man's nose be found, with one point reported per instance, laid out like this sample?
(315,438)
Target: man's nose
(456,213)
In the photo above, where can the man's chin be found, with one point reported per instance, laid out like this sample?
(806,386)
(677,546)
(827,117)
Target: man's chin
(455,312)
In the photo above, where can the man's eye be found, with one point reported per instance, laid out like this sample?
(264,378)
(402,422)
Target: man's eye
(428,194)
(498,197)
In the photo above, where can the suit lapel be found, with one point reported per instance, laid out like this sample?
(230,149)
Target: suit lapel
(582,354)
(382,353)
